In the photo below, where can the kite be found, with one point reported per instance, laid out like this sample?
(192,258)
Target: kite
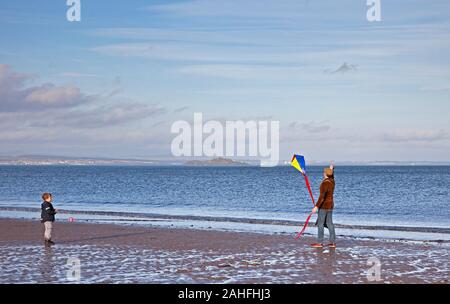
(298,162)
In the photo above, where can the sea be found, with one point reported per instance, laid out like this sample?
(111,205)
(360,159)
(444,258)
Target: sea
(401,201)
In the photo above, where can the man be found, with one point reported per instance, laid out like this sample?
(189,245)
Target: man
(48,217)
(325,205)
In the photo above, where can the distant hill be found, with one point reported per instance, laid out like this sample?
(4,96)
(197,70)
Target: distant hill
(220,161)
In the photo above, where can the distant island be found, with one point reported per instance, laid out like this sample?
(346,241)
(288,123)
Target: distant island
(220,161)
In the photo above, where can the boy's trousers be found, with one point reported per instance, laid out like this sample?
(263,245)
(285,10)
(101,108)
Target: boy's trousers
(48,230)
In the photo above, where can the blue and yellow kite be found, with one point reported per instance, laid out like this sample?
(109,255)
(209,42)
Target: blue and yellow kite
(299,163)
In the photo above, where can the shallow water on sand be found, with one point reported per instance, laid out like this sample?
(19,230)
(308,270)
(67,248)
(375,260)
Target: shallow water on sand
(284,264)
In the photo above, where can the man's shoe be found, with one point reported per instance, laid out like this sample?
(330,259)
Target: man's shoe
(317,245)
(49,242)
(332,245)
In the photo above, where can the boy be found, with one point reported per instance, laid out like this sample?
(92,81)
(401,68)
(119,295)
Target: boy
(48,217)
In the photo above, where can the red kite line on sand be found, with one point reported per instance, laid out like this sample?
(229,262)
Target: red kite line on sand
(298,162)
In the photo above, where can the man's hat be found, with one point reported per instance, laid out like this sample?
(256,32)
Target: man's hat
(328,172)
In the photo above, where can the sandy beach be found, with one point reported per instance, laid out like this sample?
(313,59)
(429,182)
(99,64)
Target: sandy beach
(110,253)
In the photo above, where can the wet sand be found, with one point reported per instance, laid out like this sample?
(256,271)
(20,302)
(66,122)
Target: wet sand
(111,253)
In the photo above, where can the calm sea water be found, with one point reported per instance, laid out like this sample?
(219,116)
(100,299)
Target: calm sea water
(381,195)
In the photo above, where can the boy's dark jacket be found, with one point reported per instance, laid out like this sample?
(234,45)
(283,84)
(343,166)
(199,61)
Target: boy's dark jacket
(47,212)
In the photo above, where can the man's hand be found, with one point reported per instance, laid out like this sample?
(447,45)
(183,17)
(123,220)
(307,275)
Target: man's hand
(315,210)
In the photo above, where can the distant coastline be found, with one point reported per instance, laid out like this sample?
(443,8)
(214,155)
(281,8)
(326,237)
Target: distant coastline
(42,160)
(220,161)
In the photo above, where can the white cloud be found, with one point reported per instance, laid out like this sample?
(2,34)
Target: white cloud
(16,96)
(63,114)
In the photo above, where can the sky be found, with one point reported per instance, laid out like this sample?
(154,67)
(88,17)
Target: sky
(111,85)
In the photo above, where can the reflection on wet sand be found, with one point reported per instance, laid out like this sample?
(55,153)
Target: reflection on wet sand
(287,264)
(46,264)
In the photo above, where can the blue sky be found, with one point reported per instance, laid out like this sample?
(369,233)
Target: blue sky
(111,85)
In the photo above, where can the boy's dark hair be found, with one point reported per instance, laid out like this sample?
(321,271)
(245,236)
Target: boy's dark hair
(46,196)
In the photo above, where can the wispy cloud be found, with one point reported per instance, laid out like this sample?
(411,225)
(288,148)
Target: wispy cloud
(343,68)
(427,135)
(79,75)
(244,71)
(436,87)
(310,127)
(251,12)
(103,116)
(180,109)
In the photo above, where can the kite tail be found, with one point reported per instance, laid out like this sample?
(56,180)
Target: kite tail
(308,186)
(304,227)
(309,189)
